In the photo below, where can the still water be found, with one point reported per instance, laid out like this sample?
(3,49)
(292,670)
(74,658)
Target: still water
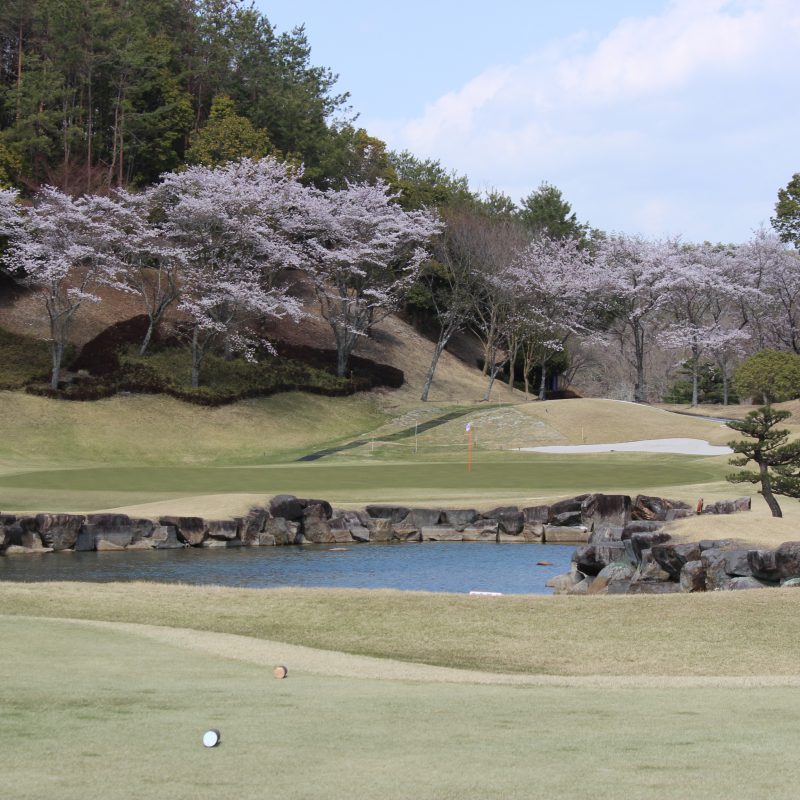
(430,567)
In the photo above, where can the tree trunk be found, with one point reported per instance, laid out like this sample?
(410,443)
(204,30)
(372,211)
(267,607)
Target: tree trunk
(695,381)
(527,387)
(197,357)
(766,490)
(437,352)
(638,345)
(342,358)
(492,375)
(725,391)
(148,336)
(56,354)
(543,379)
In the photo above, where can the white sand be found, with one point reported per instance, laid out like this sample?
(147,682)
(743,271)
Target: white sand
(686,447)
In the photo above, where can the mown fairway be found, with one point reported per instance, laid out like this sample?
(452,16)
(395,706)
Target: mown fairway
(523,475)
(117,713)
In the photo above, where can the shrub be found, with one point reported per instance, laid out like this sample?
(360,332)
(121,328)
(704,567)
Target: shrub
(770,375)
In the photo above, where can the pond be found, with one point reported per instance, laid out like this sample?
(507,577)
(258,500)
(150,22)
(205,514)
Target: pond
(431,567)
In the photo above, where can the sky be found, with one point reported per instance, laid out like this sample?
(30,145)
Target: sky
(658,117)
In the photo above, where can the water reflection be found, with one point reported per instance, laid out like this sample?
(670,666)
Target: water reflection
(432,566)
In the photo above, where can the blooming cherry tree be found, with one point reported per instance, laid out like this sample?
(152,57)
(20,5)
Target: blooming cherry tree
(632,280)
(363,254)
(700,288)
(235,226)
(548,284)
(64,250)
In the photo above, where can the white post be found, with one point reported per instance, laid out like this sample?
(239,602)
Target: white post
(416,424)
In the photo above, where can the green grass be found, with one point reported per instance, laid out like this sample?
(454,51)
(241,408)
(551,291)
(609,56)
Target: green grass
(122,717)
(506,474)
(22,358)
(720,633)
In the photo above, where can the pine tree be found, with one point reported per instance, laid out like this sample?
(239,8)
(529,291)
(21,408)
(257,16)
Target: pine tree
(778,461)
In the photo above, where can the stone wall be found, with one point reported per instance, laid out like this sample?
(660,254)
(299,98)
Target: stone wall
(594,520)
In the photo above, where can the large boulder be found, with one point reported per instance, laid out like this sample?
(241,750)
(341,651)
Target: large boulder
(59,531)
(509,519)
(315,526)
(646,507)
(279,531)
(349,526)
(533,532)
(787,560)
(326,506)
(567,519)
(558,534)
(764,565)
(615,572)
(287,506)
(639,542)
(21,536)
(561,584)
(459,518)
(672,557)
(649,570)
(252,525)
(606,534)
(191,530)
(572,505)
(641,526)
(222,529)
(112,532)
(728,506)
(482,530)
(722,565)
(535,514)
(693,577)
(392,513)
(423,517)
(585,560)
(406,533)
(602,511)
(165,537)
(380,530)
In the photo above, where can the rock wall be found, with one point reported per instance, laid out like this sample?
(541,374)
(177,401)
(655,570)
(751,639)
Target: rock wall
(604,523)
(628,552)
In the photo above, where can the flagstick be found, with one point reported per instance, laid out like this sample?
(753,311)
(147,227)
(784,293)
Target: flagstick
(469,450)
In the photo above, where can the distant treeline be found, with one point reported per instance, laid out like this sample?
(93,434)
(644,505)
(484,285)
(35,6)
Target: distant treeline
(103,93)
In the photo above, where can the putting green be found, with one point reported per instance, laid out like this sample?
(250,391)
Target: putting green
(122,717)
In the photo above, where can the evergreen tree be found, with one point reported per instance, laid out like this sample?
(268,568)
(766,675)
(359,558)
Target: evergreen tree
(778,462)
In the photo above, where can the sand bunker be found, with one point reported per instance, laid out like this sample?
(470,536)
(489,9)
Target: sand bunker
(686,447)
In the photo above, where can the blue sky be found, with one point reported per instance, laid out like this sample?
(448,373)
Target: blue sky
(651,116)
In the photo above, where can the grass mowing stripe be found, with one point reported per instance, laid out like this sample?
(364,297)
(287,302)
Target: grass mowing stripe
(535,473)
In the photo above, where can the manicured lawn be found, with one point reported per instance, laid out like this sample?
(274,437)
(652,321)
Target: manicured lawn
(719,633)
(104,713)
(525,475)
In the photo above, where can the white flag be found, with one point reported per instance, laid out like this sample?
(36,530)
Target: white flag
(469,427)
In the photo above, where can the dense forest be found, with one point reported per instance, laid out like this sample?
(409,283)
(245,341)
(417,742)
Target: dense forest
(96,94)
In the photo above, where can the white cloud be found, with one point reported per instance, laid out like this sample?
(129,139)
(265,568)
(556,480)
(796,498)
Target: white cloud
(652,97)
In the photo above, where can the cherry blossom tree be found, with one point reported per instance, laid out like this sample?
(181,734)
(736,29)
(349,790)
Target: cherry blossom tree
(363,254)
(548,282)
(771,306)
(152,262)
(65,250)
(235,225)
(700,289)
(632,280)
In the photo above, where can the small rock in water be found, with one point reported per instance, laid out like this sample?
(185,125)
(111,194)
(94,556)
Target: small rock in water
(544,563)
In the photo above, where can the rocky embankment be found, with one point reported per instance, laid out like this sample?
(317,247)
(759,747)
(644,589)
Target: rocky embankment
(289,520)
(629,552)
